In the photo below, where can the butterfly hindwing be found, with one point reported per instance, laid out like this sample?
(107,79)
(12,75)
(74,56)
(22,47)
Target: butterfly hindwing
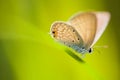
(67,35)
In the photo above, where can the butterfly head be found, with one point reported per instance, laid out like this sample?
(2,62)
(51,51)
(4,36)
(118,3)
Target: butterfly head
(79,48)
(82,50)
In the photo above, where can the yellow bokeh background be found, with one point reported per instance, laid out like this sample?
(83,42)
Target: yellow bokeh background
(27,51)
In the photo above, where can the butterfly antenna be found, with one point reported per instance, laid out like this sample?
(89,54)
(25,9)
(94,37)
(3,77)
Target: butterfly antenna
(95,49)
(105,46)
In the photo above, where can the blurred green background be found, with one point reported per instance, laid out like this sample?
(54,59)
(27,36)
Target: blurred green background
(27,51)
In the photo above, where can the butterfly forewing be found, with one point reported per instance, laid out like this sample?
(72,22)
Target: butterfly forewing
(66,34)
(102,21)
(85,25)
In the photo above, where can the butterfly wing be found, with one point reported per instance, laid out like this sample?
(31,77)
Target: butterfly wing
(102,21)
(67,35)
(85,24)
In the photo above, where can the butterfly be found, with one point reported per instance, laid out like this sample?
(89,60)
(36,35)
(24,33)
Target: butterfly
(81,31)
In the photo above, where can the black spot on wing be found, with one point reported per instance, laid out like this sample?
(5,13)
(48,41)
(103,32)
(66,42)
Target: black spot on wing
(72,40)
(53,32)
(73,30)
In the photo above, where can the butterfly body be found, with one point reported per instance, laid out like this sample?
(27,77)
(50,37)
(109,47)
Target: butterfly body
(79,48)
(81,31)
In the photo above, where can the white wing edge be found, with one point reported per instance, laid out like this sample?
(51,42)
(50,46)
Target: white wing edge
(102,22)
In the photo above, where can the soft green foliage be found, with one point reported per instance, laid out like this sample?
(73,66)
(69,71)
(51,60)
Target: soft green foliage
(27,51)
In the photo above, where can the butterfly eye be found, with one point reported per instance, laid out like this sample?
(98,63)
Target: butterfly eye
(90,50)
(78,38)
